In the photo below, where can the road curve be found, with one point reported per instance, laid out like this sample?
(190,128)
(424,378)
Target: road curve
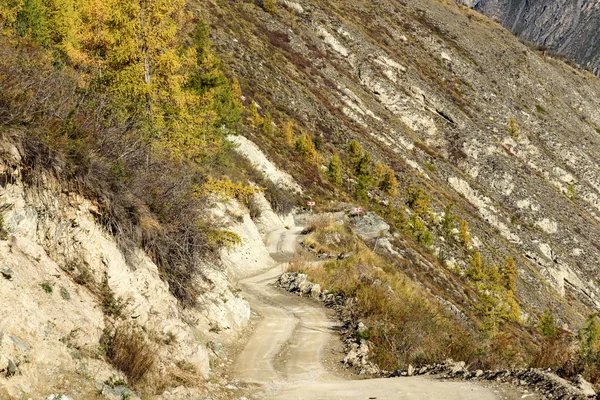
(285,353)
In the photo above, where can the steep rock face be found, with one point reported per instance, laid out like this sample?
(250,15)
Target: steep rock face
(571,28)
(54,262)
(430,88)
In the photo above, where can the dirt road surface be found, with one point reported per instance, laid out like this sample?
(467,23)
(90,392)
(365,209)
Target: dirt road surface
(286,355)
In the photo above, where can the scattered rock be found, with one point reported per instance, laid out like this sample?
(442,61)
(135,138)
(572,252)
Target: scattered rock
(7,273)
(586,387)
(538,380)
(11,369)
(217,349)
(357,349)
(362,328)
(371,226)
(315,291)
(458,367)
(117,392)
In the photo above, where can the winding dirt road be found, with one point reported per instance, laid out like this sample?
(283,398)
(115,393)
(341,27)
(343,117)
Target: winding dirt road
(285,355)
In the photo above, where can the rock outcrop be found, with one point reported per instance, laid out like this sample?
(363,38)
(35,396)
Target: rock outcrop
(430,88)
(66,283)
(571,28)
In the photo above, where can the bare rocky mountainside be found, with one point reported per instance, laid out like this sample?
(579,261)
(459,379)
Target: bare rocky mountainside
(432,88)
(156,160)
(570,28)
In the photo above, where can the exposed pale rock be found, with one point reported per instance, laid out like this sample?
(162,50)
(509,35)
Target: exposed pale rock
(253,153)
(331,40)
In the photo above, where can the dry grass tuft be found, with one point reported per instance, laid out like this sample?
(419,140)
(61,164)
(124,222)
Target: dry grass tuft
(128,350)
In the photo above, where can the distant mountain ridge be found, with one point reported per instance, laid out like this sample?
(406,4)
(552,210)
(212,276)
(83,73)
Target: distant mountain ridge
(571,28)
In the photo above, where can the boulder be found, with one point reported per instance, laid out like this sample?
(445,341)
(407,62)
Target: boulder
(305,287)
(315,291)
(586,387)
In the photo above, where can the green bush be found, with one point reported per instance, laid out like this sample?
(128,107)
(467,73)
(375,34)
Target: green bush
(418,200)
(112,305)
(47,287)
(335,170)
(547,324)
(513,128)
(420,232)
(448,221)
(3,232)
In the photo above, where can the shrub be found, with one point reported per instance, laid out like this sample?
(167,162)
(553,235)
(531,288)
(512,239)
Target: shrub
(255,118)
(223,238)
(364,166)
(112,305)
(397,217)
(288,132)
(588,338)
(3,232)
(306,148)
(571,192)
(64,293)
(547,324)
(388,183)
(420,231)
(355,152)
(269,6)
(83,276)
(510,274)
(225,189)
(418,200)
(361,189)
(475,269)
(254,209)
(448,220)
(330,237)
(556,352)
(463,234)
(267,125)
(513,128)
(405,326)
(282,200)
(46,287)
(129,351)
(335,170)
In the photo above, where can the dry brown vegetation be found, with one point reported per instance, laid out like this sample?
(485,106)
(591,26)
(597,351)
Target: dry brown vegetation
(131,352)
(406,325)
(78,136)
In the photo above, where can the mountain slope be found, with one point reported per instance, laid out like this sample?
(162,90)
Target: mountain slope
(567,27)
(478,152)
(431,88)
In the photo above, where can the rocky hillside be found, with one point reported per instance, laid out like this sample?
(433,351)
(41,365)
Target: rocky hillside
(456,104)
(81,315)
(143,164)
(567,27)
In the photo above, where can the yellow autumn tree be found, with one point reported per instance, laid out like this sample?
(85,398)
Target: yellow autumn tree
(64,25)
(388,183)
(8,13)
(288,132)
